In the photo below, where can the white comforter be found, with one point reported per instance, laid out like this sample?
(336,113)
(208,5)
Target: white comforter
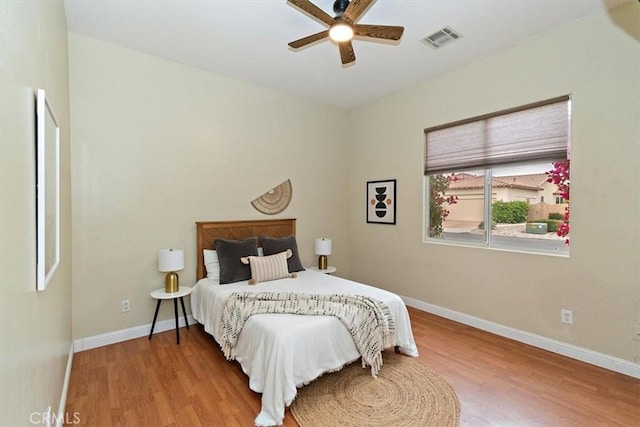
(280,352)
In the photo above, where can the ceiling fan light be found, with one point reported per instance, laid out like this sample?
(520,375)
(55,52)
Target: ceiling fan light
(341,32)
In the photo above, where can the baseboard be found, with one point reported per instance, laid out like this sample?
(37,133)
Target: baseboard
(582,354)
(65,388)
(128,334)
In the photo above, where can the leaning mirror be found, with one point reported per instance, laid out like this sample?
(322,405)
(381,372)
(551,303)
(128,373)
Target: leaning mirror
(47,191)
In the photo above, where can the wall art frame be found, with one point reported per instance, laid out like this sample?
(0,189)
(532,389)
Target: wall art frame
(47,191)
(381,202)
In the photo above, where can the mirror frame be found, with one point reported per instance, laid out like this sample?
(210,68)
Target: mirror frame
(47,191)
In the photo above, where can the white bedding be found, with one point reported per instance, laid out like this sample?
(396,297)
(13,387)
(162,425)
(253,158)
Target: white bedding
(279,352)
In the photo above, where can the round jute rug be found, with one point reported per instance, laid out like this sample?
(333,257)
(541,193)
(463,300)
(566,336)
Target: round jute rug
(406,393)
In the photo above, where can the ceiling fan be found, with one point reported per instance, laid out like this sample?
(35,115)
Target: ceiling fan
(342,28)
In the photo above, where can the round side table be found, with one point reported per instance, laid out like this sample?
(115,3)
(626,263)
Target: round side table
(161,295)
(330,269)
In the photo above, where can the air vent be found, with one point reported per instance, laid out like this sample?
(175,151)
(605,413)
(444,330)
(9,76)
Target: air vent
(441,38)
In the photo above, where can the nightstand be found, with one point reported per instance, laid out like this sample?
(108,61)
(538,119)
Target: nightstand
(330,269)
(161,295)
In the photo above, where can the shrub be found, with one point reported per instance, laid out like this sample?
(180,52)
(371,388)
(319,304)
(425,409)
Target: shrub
(556,215)
(560,175)
(552,224)
(509,212)
(438,186)
(481,225)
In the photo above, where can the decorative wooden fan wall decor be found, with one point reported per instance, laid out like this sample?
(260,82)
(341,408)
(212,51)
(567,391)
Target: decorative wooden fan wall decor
(342,28)
(275,200)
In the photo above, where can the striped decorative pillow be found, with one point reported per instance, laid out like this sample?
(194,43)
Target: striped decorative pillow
(266,268)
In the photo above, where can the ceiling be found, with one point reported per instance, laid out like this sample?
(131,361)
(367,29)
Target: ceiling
(247,39)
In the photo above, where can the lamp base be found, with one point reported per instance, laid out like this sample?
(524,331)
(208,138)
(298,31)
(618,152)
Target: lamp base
(322,262)
(171,282)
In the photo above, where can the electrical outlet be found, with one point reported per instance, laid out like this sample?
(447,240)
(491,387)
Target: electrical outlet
(566,316)
(125,305)
(636,332)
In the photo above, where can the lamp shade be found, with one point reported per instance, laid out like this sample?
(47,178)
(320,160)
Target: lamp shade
(323,246)
(170,260)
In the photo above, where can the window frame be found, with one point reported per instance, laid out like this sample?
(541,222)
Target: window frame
(488,170)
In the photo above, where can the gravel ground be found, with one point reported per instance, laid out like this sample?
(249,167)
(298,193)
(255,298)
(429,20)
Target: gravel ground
(517,230)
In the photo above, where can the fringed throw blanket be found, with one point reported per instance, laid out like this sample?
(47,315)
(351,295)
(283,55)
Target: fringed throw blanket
(369,321)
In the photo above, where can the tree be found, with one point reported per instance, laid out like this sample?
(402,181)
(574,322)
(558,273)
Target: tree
(560,176)
(438,186)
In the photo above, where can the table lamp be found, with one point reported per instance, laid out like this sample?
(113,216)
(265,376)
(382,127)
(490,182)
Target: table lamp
(170,261)
(323,248)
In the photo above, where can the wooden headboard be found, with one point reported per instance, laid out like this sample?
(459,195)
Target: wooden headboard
(209,230)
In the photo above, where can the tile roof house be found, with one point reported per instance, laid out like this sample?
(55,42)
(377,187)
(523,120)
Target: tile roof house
(469,188)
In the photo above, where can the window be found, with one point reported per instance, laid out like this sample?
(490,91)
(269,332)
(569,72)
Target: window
(486,179)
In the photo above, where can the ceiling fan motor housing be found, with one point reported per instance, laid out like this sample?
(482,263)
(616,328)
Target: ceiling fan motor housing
(339,6)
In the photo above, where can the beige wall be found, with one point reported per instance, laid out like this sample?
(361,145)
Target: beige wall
(548,190)
(516,195)
(542,210)
(470,206)
(598,63)
(36,326)
(157,146)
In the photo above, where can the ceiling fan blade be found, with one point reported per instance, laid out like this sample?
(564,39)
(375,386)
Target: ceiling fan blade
(309,39)
(387,32)
(313,10)
(347,55)
(355,9)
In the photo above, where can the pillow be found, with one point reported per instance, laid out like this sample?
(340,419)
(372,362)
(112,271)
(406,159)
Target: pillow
(274,245)
(211,264)
(271,267)
(229,254)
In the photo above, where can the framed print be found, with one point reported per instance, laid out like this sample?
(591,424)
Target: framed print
(381,202)
(47,191)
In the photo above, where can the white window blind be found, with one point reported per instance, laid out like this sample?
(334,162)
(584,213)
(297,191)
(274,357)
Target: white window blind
(539,131)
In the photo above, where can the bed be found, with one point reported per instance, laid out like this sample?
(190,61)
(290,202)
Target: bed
(281,352)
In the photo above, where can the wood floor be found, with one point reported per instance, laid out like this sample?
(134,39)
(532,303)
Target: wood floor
(499,382)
